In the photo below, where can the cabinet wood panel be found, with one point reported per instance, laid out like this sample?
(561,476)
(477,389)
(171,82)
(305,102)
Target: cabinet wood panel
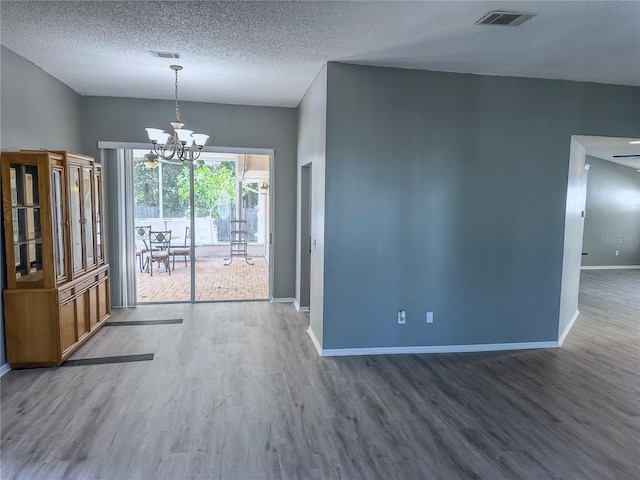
(92,295)
(103,299)
(67,324)
(31,326)
(82,322)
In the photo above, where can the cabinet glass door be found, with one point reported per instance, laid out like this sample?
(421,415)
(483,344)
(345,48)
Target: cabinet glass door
(75,217)
(98,196)
(25,210)
(87,189)
(57,198)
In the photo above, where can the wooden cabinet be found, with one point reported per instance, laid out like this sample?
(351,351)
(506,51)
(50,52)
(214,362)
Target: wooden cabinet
(57,292)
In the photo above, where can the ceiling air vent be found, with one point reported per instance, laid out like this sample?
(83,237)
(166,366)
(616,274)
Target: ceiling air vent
(164,54)
(512,19)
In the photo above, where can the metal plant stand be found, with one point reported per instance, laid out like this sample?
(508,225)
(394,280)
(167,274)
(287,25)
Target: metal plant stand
(238,241)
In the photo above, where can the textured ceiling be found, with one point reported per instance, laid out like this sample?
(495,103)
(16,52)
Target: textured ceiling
(268,53)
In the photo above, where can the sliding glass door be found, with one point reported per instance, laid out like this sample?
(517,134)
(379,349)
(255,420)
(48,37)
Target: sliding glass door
(216,226)
(161,219)
(215,201)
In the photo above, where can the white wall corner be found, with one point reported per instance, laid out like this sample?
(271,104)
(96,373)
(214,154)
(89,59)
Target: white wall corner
(567,329)
(315,341)
(4,369)
(573,232)
(298,307)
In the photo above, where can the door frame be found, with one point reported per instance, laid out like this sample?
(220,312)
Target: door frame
(306,181)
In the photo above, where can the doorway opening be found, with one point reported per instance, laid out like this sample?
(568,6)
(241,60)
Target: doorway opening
(205,211)
(623,153)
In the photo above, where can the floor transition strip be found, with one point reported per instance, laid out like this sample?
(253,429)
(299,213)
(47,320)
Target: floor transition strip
(143,322)
(81,362)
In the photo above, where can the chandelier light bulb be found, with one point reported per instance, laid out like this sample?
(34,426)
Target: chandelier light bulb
(183,134)
(154,133)
(200,139)
(163,138)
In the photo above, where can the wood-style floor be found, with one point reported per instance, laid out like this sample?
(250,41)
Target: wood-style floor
(237,391)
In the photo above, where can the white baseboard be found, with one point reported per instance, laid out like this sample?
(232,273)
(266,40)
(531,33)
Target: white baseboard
(298,307)
(283,300)
(483,347)
(568,328)
(610,267)
(4,369)
(315,341)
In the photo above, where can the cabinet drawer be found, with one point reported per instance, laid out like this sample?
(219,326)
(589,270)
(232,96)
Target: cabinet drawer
(84,285)
(90,281)
(65,295)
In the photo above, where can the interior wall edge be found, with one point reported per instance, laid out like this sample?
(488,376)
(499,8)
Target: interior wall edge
(568,328)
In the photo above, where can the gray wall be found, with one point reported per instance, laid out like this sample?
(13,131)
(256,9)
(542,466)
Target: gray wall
(38,111)
(124,120)
(447,193)
(613,215)
(312,138)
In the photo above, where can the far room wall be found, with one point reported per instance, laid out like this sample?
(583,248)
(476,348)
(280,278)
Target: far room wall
(124,120)
(612,221)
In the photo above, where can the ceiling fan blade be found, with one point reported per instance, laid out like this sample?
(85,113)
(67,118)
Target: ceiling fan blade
(627,156)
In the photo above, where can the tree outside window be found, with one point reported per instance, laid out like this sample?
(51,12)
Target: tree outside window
(214,188)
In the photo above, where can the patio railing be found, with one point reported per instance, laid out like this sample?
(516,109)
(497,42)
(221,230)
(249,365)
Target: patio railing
(208,231)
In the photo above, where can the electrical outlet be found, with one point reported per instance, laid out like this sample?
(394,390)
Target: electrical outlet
(617,253)
(402,317)
(429,317)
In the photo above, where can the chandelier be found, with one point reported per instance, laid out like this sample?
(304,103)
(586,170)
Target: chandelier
(180,142)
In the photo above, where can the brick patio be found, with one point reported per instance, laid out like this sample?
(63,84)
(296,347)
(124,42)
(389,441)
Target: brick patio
(214,281)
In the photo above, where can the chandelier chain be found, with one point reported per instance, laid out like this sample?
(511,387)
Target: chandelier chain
(177,111)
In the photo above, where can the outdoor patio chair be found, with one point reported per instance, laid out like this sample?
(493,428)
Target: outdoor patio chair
(159,246)
(142,247)
(184,251)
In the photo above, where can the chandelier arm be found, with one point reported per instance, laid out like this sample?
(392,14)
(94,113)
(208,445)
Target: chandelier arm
(166,152)
(156,149)
(184,153)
